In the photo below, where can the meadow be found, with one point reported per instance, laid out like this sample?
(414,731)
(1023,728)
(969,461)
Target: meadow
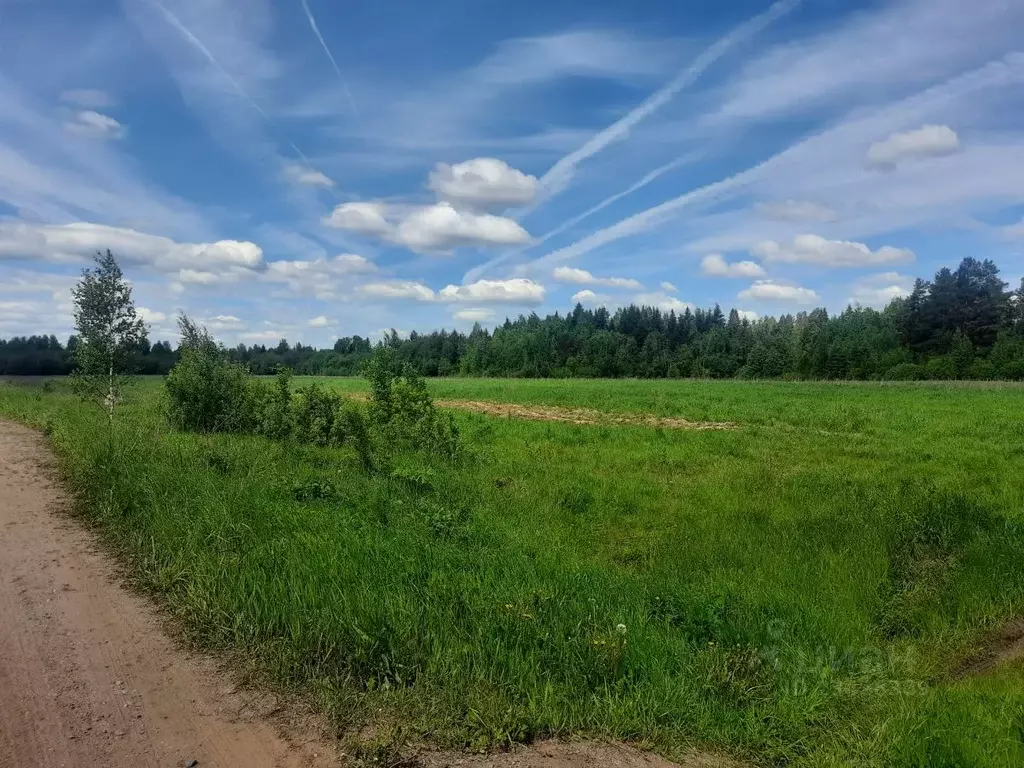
(807,588)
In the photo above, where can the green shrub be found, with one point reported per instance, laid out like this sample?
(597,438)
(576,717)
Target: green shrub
(206,393)
(905,372)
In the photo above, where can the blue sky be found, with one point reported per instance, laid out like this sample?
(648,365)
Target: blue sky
(309,169)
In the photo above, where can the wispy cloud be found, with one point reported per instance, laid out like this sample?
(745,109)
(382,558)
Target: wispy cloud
(560,174)
(330,56)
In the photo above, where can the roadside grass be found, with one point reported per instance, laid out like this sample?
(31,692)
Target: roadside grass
(793,592)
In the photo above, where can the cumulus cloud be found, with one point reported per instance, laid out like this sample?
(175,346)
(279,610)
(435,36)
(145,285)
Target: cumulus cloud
(464,190)
(879,289)
(94,125)
(517,290)
(224,322)
(363,218)
(796,210)
(715,265)
(512,291)
(149,315)
(769,290)
(429,228)
(89,98)
(442,227)
(812,249)
(668,287)
(479,315)
(194,262)
(320,321)
(868,296)
(926,141)
(398,289)
(583,277)
(588,298)
(748,315)
(662,301)
(484,182)
(303,174)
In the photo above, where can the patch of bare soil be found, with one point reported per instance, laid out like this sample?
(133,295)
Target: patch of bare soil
(579,415)
(583,754)
(1005,646)
(87,675)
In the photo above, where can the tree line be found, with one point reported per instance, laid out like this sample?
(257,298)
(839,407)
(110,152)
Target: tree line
(963,324)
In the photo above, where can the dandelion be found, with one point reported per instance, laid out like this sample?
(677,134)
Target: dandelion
(620,629)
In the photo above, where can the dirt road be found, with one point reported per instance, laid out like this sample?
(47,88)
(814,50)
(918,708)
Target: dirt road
(87,676)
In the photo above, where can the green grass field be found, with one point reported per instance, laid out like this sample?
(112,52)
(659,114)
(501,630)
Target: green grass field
(798,591)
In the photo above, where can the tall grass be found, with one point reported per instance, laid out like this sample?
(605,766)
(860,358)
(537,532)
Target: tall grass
(794,592)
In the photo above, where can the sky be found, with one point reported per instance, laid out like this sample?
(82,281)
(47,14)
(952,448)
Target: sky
(308,169)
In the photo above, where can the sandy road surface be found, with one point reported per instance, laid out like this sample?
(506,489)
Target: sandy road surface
(87,676)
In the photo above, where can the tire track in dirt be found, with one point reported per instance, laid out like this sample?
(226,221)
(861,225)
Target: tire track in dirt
(579,415)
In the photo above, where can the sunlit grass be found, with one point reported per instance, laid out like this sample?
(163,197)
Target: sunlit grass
(793,591)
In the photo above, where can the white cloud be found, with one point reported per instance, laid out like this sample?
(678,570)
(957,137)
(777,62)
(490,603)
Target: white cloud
(149,315)
(583,277)
(879,289)
(588,298)
(715,265)
(926,141)
(668,287)
(816,250)
(484,182)
(303,174)
(877,297)
(94,125)
(516,290)
(442,227)
(430,228)
(796,210)
(322,278)
(89,98)
(748,315)
(224,321)
(363,218)
(473,315)
(320,321)
(267,336)
(769,290)
(79,241)
(662,301)
(398,289)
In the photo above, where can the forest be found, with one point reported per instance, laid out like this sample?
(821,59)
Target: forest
(964,324)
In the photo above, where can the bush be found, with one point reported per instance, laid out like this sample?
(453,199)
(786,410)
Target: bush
(905,372)
(206,393)
(403,410)
(940,368)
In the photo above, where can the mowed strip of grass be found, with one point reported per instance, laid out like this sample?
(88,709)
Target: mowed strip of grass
(795,591)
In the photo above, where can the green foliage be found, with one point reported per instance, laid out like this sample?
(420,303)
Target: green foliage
(905,372)
(108,332)
(403,410)
(773,582)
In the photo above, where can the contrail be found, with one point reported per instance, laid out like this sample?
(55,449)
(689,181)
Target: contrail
(337,69)
(198,44)
(1009,69)
(557,179)
(476,272)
